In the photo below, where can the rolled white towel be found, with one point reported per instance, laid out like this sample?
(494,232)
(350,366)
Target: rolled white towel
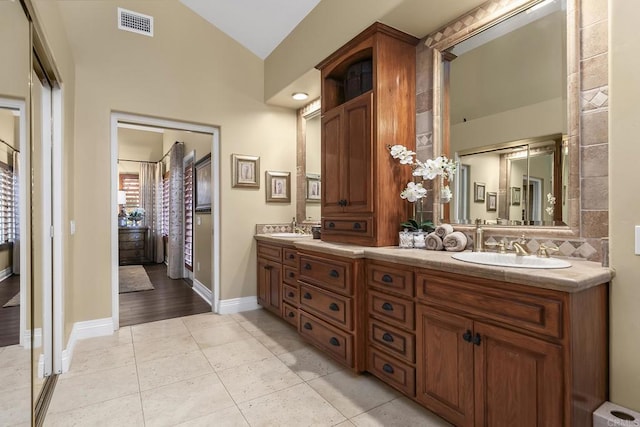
(455,242)
(443,230)
(433,242)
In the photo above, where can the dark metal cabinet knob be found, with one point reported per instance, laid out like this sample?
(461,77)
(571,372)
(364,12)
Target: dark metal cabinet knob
(307,326)
(334,274)
(291,314)
(332,225)
(307,295)
(291,274)
(307,266)
(467,336)
(387,337)
(357,226)
(334,341)
(334,307)
(387,279)
(477,339)
(387,368)
(387,306)
(290,294)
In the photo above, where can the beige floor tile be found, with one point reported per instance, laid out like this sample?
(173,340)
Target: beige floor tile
(122,411)
(265,326)
(299,405)
(236,353)
(159,329)
(15,356)
(184,401)
(281,342)
(229,417)
(345,424)
(15,377)
(83,390)
(345,391)
(164,347)
(120,337)
(15,406)
(220,334)
(167,370)
(253,315)
(399,413)
(257,379)
(205,320)
(309,363)
(101,359)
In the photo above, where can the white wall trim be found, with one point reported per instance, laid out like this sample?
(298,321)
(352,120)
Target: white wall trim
(237,305)
(6,273)
(58,223)
(83,330)
(204,292)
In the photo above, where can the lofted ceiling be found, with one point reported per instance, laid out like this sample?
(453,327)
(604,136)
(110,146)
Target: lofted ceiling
(261,26)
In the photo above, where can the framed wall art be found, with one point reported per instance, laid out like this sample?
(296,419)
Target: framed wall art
(492,202)
(278,187)
(245,171)
(202,200)
(478,192)
(313,188)
(515,196)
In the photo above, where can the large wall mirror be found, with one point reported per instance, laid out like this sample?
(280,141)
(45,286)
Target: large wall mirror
(308,164)
(505,110)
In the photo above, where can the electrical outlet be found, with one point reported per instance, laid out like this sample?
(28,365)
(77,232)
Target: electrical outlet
(72,226)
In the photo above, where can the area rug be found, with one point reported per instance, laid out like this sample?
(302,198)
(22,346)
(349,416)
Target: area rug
(15,300)
(134,278)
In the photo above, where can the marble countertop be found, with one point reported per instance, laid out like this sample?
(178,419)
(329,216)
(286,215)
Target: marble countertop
(581,275)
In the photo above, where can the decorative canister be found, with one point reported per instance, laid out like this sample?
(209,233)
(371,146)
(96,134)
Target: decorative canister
(406,239)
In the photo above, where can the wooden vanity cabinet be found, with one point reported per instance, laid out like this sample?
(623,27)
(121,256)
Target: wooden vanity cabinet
(356,129)
(330,300)
(493,353)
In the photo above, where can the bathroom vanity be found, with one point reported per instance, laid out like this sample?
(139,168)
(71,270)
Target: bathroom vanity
(476,344)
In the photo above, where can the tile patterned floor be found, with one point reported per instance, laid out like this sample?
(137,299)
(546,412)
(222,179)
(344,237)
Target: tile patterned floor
(247,369)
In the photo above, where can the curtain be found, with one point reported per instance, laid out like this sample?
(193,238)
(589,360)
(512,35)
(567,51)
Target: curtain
(150,194)
(16,212)
(175,269)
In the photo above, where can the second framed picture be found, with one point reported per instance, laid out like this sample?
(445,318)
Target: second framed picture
(313,188)
(492,202)
(478,192)
(278,187)
(515,196)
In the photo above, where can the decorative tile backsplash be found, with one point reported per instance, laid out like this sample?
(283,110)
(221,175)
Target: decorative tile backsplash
(284,228)
(566,248)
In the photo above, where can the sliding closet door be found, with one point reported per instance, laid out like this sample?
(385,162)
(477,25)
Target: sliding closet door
(15,297)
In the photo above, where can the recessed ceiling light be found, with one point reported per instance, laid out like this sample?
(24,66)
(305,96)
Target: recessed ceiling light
(299,96)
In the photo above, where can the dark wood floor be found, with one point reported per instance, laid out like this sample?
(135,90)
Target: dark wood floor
(9,316)
(170,298)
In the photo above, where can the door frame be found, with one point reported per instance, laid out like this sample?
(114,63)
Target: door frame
(215,199)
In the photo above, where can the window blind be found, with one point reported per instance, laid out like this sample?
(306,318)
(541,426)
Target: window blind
(7,204)
(130,184)
(188,215)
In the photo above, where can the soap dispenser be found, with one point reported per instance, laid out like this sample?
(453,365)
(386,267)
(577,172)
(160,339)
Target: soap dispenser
(478,238)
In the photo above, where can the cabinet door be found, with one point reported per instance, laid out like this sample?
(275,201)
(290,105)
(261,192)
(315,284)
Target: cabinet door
(516,378)
(275,288)
(263,282)
(357,181)
(444,366)
(332,134)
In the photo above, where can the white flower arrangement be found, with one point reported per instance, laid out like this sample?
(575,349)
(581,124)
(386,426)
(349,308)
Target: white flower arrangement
(551,200)
(441,166)
(136,214)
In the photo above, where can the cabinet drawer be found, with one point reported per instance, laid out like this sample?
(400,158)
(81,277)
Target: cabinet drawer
(132,236)
(535,313)
(290,294)
(290,275)
(273,253)
(127,245)
(356,226)
(337,343)
(132,254)
(400,343)
(325,273)
(333,308)
(393,310)
(390,279)
(393,372)
(290,314)
(290,257)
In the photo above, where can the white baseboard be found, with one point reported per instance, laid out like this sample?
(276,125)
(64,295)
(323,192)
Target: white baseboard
(204,292)
(6,273)
(84,330)
(237,305)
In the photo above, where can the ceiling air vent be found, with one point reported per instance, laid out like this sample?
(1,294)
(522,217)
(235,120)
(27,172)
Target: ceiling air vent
(135,22)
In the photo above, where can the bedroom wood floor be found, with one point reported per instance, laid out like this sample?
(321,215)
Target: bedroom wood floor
(9,316)
(171,298)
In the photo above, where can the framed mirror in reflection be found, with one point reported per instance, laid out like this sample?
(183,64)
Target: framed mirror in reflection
(501,110)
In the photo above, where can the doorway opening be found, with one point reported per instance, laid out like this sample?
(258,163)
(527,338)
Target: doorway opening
(158,235)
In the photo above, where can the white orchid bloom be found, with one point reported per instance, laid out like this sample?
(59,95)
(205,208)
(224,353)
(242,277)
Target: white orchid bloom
(445,194)
(401,153)
(413,192)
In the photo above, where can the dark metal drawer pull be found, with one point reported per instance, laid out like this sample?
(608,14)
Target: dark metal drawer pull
(387,337)
(291,274)
(292,256)
(334,307)
(357,226)
(332,225)
(387,279)
(290,294)
(387,368)
(307,266)
(477,339)
(334,273)
(334,341)
(291,314)
(308,326)
(387,307)
(467,336)
(307,295)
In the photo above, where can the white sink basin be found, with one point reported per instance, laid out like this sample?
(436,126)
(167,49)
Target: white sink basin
(510,260)
(294,235)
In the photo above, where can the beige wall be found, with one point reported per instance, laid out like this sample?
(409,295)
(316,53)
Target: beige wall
(624,152)
(202,228)
(188,71)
